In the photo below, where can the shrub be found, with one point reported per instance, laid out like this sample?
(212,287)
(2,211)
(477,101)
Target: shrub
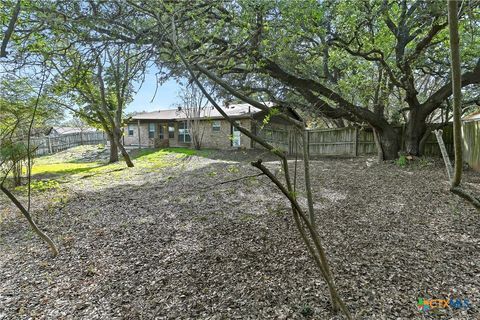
(401,161)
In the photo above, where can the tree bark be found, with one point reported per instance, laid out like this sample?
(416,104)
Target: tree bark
(388,139)
(457,91)
(113,150)
(32,223)
(414,132)
(117,137)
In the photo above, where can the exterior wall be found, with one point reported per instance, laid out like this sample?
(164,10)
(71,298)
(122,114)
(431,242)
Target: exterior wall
(145,141)
(211,139)
(133,140)
(222,139)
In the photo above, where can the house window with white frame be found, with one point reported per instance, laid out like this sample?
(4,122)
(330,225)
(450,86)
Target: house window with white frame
(183,132)
(171,130)
(151,130)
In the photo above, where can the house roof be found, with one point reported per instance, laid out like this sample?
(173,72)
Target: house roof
(67,130)
(243,110)
(472,117)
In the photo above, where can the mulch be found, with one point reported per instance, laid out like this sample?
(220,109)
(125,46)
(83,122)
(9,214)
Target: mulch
(174,243)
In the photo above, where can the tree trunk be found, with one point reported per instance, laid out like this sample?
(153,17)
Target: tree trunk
(414,132)
(456,90)
(389,142)
(117,136)
(32,223)
(113,151)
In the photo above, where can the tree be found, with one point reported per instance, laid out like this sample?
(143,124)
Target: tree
(193,106)
(378,63)
(98,85)
(18,114)
(455,175)
(305,225)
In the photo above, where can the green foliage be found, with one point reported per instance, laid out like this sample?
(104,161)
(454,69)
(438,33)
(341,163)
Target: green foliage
(306,311)
(212,173)
(233,169)
(423,162)
(13,151)
(401,161)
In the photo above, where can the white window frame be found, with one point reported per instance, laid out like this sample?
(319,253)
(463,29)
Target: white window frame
(151,133)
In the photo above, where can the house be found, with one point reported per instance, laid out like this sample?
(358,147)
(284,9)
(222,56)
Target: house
(471,140)
(170,127)
(60,131)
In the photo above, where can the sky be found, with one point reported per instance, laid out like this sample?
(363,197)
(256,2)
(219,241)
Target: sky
(166,97)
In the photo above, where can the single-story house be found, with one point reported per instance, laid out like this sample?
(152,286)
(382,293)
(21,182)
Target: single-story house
(471,140)
(170,127)
(60,131)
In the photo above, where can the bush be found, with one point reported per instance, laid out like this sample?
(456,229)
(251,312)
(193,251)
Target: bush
(401,161)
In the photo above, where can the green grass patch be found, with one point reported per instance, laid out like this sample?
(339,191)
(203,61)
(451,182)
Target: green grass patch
(149,153)
(66,168)
(150,159)
(40,186)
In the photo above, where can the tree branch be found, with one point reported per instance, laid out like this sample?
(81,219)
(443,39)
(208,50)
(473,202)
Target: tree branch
(10,29)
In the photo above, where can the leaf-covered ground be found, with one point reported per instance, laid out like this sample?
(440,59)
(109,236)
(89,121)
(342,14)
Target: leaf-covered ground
(169,240)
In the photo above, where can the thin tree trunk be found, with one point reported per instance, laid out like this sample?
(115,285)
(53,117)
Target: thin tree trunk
(322,262)
(124,152)
(32,223)
(456,90)
(119,145)
(319,259)
(308,187)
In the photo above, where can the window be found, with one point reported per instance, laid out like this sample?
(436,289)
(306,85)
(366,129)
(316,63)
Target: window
(216,125)
(151,130)
(160,132)
(131,130)
(171,130)
(183,134)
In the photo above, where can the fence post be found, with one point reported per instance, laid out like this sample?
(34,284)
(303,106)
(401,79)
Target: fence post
(355,145)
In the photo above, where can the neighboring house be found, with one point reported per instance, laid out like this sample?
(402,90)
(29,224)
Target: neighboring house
(471,140)
(169,127)
(60,131)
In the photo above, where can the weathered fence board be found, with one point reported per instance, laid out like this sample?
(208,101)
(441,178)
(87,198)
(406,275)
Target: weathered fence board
(471,143)
(348,141)
(50,145)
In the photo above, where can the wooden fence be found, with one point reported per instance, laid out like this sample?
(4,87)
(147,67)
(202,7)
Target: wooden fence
(348,141)
(49,145)
(471,143)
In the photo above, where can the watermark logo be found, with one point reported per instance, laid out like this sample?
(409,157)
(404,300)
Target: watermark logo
(426,305)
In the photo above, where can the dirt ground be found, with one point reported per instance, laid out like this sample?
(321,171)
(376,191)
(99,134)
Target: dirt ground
(172,241)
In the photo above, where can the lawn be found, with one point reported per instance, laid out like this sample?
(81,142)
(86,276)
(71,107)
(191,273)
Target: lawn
(57,165)
(172,239)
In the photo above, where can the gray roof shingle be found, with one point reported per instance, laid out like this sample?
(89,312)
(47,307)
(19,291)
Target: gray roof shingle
(243,110)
